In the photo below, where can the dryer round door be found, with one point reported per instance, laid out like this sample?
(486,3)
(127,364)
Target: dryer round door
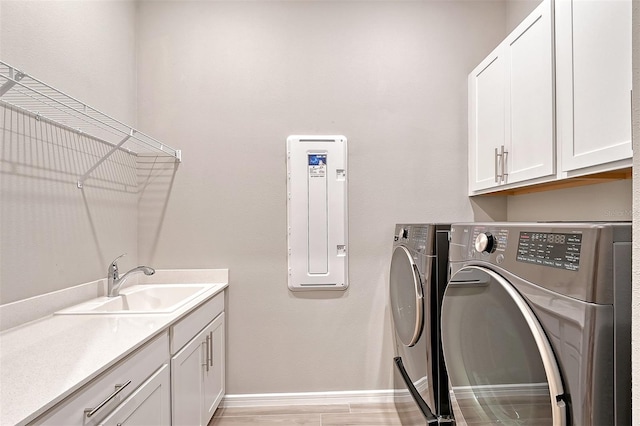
(405,291)
(501,366)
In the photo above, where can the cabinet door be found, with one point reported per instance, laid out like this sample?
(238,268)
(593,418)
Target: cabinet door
(593,45)
(486,120)
(530,115)
(186,382)
(148,405)
(214,378)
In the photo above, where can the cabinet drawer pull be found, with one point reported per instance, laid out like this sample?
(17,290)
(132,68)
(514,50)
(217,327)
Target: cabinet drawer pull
(204,357)
(504,164)
(495,163)
(206,362)
(91,411)
(211,346)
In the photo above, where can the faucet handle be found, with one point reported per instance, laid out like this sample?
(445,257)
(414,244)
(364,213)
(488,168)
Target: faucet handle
(116,259)
(113,266)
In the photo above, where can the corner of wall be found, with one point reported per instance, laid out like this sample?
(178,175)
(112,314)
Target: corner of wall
(635,309)
(516,11)
(489,208)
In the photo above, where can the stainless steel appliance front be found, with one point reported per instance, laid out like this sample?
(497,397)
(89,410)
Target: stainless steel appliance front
(417,277)
(535,323)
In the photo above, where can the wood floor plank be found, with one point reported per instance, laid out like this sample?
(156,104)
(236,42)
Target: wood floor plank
(361,419)
(278,420)
(309,415)
(284,409)
(378,407)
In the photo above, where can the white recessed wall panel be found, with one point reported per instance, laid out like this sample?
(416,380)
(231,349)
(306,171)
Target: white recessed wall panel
(317,212)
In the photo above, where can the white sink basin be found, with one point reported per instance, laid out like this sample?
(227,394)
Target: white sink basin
(141,299)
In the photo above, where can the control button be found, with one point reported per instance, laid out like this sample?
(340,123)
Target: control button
(499,259)
(485,243)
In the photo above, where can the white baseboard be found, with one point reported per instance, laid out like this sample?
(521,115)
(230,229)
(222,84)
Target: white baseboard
(308,398)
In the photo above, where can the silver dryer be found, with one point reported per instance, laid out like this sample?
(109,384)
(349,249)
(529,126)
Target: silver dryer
(418,276)
(536,324)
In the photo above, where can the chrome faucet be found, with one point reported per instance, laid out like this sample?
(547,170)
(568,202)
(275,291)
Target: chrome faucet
(115,281)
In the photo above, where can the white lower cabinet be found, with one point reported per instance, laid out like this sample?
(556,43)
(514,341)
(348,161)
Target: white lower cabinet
(148,405)
(133,392)
(198,376)
(175,379)
(214,377)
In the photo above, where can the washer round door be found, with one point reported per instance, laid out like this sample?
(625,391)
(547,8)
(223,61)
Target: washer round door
(405,291)
(501,366)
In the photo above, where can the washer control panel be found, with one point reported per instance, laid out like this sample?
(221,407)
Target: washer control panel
(554,249)
(557,250)
(571,258)
(414,236)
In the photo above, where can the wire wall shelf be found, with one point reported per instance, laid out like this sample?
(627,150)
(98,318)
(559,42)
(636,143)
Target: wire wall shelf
(31,95)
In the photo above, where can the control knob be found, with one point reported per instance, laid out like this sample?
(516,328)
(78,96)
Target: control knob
(485,242)
(403,234)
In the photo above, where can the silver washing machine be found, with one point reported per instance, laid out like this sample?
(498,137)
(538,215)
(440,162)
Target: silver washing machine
(536,324)
(418,276)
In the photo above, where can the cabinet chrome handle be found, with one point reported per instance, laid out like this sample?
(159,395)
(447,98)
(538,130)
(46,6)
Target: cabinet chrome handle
(495,165)
(206,362)
(498,176)
(206,348)
(91,411)
(211,346)
(504,164)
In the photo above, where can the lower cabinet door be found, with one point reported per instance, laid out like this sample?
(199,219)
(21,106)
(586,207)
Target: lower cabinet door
(148,405)
(197,376)
(213,386)
(187,367)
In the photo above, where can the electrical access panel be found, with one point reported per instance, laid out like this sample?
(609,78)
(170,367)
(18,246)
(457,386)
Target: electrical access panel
(317,212)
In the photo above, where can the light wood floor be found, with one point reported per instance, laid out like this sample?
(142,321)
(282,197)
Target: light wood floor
(309,415)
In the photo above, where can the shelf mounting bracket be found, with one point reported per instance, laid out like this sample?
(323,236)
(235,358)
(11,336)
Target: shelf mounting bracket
(102,160)
(14,77)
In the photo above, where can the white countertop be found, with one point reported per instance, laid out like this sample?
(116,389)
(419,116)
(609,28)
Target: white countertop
(44,361)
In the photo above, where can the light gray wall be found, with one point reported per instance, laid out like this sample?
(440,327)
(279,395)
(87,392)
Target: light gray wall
(53,235)
(516,11)
(228,82)
(603,202)
(84,48)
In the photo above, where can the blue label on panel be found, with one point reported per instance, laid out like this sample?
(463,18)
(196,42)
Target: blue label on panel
(317,159)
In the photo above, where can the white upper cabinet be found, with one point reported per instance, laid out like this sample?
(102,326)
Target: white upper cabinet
(593,60)
(486,120)
(530,116)
(511,115)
